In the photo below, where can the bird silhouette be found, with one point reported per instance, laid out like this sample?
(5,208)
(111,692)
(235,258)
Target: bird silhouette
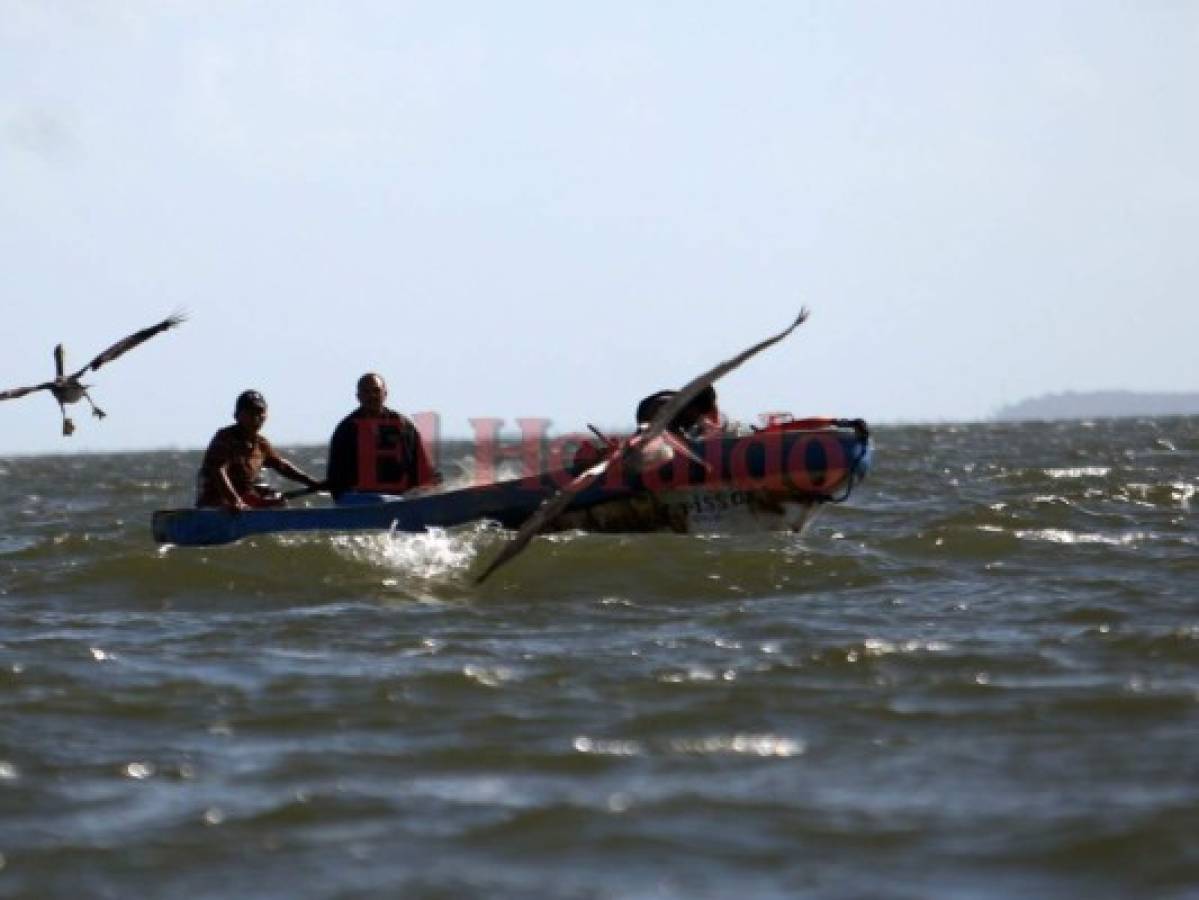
(69,389)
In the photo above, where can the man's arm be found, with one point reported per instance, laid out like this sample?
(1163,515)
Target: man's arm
(224,484)
(289,470)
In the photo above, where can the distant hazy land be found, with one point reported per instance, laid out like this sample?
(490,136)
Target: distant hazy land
(1100,405)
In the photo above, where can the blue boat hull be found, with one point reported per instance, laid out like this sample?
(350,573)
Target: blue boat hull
(792,466)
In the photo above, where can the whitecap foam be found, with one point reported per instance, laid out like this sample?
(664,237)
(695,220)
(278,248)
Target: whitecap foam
(1144,494)
(1080,472)
(601,747)
(880,647)
(739,745)
(1182,494)
(1064,536)
(488,676)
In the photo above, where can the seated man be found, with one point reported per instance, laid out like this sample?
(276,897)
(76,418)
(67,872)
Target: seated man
(235,457)
(699,418)
(375,449)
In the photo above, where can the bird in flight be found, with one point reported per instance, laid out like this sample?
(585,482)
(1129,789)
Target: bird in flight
(554,506)
(69,389)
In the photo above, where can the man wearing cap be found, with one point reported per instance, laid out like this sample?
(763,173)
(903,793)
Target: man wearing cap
(237,454)
(376,449)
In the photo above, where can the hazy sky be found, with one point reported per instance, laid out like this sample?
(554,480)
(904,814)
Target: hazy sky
(551,209)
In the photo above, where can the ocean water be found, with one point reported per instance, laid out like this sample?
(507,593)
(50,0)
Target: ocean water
(977,678)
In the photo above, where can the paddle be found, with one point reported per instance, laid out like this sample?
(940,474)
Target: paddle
(555,505)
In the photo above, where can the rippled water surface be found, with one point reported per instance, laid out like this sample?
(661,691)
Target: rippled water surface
(978,678)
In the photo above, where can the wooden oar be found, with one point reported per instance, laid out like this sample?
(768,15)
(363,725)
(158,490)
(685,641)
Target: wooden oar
(555,505)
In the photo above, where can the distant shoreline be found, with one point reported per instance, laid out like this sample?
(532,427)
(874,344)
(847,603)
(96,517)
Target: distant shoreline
(1100,405)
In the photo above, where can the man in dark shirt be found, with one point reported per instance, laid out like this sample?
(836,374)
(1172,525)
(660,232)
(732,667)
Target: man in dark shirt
(375,449)
(237,454)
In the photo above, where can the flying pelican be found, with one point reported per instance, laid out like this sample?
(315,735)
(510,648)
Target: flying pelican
(69,389)
(554,506)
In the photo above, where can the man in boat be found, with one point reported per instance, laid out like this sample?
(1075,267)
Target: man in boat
(235,457)
(699,418)
(375,449)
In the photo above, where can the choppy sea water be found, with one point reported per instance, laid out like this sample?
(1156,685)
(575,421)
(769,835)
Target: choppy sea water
(978,678)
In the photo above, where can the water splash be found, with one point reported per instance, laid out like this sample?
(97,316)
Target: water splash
(433,555)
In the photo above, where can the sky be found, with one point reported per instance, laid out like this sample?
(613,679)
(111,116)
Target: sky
(548,209)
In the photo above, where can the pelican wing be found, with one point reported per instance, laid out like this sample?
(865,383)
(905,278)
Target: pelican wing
(692,388)
(22,391)
(556,505)
(130,342)
(546,513)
